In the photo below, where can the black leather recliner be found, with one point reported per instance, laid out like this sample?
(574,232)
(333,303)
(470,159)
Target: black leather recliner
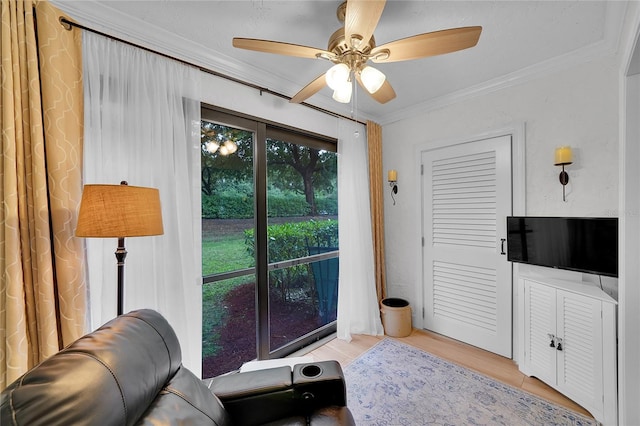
(130,372)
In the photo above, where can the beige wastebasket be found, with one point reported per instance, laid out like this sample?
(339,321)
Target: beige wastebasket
(396,317)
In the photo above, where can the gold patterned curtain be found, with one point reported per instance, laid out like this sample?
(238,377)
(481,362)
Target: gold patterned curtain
(42,288)
(374,141)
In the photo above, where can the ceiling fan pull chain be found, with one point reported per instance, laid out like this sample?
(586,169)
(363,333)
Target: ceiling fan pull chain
(356,133)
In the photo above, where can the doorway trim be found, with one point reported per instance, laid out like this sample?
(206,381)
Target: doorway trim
(629,227)
(518,184)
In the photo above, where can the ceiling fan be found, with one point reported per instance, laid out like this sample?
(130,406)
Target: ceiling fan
(353,45)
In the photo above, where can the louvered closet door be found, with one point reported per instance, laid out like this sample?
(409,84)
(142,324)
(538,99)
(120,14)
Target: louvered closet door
(467,281)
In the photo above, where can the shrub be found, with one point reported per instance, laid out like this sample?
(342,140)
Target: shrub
(287,205)
(227,206)
(327,205)
(291,241)
(239,205)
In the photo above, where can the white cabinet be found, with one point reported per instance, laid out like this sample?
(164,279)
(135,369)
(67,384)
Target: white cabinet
(570,342)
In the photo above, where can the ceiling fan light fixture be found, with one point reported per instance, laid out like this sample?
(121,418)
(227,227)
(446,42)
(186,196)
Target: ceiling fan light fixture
(372,79)
(353,45)
(211,147)
(230,147)
(337,76)
(342,93)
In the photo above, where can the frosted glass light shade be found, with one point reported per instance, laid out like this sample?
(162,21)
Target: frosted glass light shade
(337,76)
(342,94)
(231,146)
(228,147)
(118,211)
(372,79)
(211,147)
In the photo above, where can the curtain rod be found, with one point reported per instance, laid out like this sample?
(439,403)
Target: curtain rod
(67,24)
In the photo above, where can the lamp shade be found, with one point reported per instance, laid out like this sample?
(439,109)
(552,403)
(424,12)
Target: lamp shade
(119,211)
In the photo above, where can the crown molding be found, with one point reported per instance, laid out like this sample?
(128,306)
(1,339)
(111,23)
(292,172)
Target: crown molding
(630,41)
(99,16)
(607,46)
(516,78)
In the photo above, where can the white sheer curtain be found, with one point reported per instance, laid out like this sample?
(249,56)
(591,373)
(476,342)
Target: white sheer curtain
(142,125)
(358,310)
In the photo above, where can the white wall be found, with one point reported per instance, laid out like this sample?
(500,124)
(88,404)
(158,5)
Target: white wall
(576,107)
(233,96)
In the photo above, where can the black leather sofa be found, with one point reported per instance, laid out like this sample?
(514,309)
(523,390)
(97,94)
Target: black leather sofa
(130,372)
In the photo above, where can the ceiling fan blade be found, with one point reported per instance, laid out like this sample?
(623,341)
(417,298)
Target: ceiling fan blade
(309,90)
(279,48)
(383,95)
(362,18)
(428,44)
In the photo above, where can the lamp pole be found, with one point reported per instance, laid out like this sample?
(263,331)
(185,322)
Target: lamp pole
(121,254)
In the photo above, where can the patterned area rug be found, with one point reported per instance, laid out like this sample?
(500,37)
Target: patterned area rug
(397,384)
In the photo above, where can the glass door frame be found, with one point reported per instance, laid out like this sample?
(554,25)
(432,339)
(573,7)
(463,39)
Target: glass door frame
(261,130)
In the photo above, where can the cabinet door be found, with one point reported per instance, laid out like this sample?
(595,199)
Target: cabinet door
(579,324)
(539,322)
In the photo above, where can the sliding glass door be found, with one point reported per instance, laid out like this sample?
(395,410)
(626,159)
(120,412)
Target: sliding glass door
(269,240)
(228,311)
(302,236)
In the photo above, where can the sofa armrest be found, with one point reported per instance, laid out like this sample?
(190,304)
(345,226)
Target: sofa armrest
(250,383)
(256,397)
(262,396)
(319,384)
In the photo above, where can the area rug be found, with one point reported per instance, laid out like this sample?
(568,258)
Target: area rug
(396,384)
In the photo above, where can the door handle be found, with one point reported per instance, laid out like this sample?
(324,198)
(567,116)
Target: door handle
(502,240)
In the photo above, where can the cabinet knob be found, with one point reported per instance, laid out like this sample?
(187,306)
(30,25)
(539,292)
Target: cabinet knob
(553,340)
(559,343)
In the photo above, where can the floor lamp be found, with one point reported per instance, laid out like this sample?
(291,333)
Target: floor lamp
(119,211)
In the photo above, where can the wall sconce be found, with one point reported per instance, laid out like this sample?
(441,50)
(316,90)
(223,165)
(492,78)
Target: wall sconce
(392,177)
(563,157)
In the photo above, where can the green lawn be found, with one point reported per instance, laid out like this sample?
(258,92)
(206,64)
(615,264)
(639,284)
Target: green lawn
(220,255)
(224,254)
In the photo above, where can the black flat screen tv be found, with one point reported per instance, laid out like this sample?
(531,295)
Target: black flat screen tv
(577,244)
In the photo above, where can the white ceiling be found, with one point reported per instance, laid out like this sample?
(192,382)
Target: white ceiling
(520,40)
